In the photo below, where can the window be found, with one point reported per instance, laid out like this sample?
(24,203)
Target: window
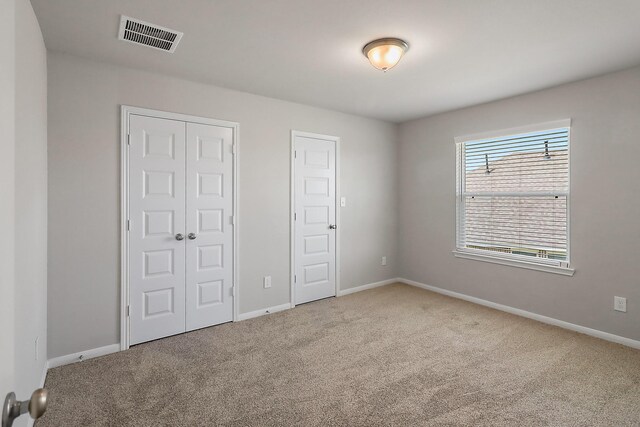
(513,196)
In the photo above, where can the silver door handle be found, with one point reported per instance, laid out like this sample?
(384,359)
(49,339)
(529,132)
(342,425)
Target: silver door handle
(13,408)
(179,236)
(191,236)
(332,226)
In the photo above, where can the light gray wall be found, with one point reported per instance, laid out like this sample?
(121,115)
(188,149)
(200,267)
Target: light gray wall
(30,200)
(7,195)
(84,186)
(605,204)
(23,196)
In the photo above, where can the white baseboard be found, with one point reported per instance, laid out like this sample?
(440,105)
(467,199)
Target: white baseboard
(282,307)
(262,312)
(348,291)
(534,316)
(45,369)
(83,355)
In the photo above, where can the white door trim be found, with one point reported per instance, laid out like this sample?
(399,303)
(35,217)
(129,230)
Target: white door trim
(126,112)
(336,139)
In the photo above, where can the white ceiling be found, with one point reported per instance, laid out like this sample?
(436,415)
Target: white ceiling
(463,52)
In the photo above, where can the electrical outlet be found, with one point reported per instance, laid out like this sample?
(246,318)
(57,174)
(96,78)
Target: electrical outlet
(620,304)
(266,282)
(343,202)
(383,261)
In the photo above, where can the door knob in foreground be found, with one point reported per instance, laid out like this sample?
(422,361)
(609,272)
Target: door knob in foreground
(179,236)
(332,227)
(13,408)
(191,236)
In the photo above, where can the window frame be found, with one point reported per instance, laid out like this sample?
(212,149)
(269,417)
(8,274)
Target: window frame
(523,261)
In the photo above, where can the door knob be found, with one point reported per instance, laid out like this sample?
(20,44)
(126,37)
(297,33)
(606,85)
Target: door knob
(332,227)
(192,236)
(12,409)
(179,236)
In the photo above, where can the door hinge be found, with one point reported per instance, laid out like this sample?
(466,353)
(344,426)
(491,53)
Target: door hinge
(295,216)
(295,279)
(233,291)
(128,310)
(128,225)
(232,220)
(295,154)
(128,139)
(233,148)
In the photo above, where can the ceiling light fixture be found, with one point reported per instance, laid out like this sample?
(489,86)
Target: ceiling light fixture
(385,53)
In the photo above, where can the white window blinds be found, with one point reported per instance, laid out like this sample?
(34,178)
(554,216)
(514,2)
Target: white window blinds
(513,195)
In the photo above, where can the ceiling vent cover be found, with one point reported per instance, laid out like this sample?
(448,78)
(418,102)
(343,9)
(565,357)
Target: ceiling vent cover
(144,33)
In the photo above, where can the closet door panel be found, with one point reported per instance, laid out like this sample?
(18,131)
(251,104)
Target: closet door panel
(157,219)
(209,210)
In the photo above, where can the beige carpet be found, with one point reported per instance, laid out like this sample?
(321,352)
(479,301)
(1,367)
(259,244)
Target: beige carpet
(395,355)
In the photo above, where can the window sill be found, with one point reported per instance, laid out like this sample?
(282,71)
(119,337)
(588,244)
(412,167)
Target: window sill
(566,271)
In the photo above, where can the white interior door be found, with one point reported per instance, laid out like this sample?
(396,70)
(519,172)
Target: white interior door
(157,220)
(209,210)
(314,218)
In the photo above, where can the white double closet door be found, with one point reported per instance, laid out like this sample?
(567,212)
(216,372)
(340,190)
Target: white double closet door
(180,226)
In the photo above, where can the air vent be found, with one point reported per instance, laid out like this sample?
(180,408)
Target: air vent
(144,33)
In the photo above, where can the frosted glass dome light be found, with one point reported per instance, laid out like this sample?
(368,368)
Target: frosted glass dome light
(385,53)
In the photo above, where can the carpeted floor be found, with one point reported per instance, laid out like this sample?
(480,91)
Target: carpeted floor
(395,355)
